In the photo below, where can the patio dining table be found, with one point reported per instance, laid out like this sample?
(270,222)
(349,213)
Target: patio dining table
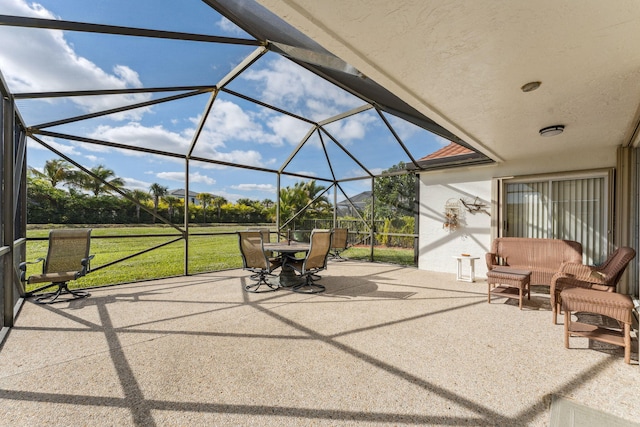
(287,277)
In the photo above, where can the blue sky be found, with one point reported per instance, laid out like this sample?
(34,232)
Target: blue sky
(236,131)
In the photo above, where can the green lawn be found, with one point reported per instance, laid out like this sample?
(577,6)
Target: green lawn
(206,253)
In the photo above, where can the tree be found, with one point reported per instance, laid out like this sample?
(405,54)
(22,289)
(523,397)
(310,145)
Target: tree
(172,201)
(103,184)
(140,196)
(55,171)
(395,194)
(218,201)
(205,199)
(267,203)
(293,199)
(157,191)
(247,202)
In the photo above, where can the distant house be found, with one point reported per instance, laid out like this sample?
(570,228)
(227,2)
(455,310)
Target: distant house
(179,193)
(359,201)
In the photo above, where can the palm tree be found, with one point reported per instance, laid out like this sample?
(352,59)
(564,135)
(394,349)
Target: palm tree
(293,199)
(171,201)
(205,199)
(104,183)
(267,203)
(140,196)
(218,201)
(156,190)
(55,171)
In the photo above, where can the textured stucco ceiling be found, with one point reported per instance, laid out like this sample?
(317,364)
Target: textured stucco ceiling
(462,64)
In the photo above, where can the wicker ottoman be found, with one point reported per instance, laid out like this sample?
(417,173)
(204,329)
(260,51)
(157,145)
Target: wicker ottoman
(512,283)
(610,304)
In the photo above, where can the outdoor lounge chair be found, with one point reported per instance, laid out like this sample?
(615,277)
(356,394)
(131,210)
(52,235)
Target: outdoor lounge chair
(313,262)
(339,243)
(254,259)
(603,277)
(67,259)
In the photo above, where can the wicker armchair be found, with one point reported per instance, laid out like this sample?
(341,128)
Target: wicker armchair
(603,277)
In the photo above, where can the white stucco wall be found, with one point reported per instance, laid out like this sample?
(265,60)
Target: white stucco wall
(438,246)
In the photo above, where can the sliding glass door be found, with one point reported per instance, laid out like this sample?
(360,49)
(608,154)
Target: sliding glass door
(571,207)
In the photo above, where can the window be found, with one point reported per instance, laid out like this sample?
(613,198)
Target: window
(574,207)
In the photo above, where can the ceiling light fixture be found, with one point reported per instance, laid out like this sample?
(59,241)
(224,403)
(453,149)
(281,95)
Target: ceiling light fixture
(552,130)
(531,86)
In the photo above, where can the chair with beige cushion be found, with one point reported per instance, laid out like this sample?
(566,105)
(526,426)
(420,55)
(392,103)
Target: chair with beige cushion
(339,243)
(255,259)
(603,277)
(266,238)
(67,259)
(313,262)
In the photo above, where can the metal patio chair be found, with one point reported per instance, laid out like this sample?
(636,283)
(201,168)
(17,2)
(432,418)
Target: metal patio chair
(339,243)
(67,259)
(255,259)
(315,261)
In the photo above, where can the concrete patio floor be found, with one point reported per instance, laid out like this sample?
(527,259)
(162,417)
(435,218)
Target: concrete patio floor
(384,345)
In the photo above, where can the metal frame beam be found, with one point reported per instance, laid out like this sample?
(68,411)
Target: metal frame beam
(55,24)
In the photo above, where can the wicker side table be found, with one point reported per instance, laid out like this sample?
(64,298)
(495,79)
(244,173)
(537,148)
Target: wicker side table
(512,283)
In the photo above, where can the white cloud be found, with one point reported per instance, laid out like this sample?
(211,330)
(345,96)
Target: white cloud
(265,188)
(136,184)
(352,128)
(38,60)
(229,27)
(404,129)
(290,86)
(159,138)
(193,177)
(440,140)
(67,149)
(171,176)
(198,178)
(289,129)
(135,134)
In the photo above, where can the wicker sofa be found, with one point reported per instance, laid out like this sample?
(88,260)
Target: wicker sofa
(543,257)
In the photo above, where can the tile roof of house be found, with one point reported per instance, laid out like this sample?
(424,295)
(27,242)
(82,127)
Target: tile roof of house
(450,150)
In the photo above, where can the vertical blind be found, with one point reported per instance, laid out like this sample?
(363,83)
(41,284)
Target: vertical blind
(527,207)
(571,209)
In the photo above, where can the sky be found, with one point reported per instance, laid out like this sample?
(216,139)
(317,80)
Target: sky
(236,131)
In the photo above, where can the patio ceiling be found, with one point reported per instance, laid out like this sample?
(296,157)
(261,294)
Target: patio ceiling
(463,64)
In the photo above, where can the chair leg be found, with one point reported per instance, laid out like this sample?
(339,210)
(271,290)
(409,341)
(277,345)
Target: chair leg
(627,343)
(52,297)
(556,308)
(308,286)
(567,321)
(261,280)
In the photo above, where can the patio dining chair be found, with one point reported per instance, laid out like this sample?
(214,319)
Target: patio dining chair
(67,259)
(339,243)
(255,259)
(603,277)
(266,238)
(313,262)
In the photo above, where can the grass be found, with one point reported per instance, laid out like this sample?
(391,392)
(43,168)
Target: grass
(206,253)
